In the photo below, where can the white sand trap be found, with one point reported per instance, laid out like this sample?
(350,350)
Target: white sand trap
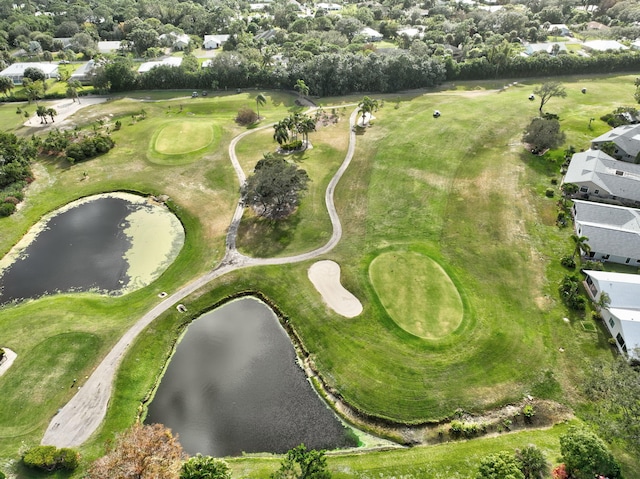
(325,276)
(9,358)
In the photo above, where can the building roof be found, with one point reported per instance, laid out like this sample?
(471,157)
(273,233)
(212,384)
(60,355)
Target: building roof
(216,38)
(604,45)
(626,137)
(17,69)
(410,32)
(108,46)
(611,229)
(624,303)
(83,70)
(617,178)
(170,61)
(544,47)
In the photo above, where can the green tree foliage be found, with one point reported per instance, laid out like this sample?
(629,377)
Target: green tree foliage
(274,188)
(34,74)
(16,154)
(142,452)
(580,245)
(549,90)
(303,463)
(205,467)
(613,387)
(533,464)
(115,75)
(366,107)
(261,100)
(543,134)
(571,293)
(6,85)
(500,465)
(50,458)
(586,456)
(89,147)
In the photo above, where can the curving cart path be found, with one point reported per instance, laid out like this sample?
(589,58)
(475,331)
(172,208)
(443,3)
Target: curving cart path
(81,416)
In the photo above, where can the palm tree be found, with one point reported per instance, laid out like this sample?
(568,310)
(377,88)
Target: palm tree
(41,111)
(52,112)
(301,86)
(580,245)
(261,100)
(281,132)
(6,85)
(366,107)
(306,125)
(72,90)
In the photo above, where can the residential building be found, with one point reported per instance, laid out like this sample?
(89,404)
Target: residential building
(371,34)
(602,178)
(212,42)
(626,139)
(613,231)
(621,309)
(170,61)
(16,70)
(603,45)
(550,47)
(84,73)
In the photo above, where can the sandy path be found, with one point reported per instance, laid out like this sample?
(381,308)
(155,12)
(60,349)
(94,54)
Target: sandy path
(65,109)
(81,416)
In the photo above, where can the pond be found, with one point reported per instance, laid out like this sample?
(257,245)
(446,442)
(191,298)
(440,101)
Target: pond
(234,385)
(112,243)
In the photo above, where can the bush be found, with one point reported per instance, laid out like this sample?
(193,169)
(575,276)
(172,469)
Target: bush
(528,412)
(550,193)
(568,262)
(292,145)
(246,116)
(50,458)
(7,209)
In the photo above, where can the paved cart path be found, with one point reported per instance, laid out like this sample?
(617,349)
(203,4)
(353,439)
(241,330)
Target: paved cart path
(83,414)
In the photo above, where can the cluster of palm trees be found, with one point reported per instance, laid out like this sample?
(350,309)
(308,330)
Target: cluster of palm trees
(286,131)
(43,112)
(366,107)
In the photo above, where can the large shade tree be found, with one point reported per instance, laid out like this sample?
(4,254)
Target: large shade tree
(543,133)
(586,456)
(303,463)
(275,187)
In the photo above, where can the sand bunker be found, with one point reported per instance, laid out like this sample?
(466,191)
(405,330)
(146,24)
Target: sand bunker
(8,360)
(325,276)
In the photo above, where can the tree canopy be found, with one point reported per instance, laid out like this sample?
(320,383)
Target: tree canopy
(500,465)
(205,467)
(586,456)
(543,133)
(549,90)
(274,188)
(303,463)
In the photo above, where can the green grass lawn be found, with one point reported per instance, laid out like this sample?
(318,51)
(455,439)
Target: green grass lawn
(417,293)
(459,189)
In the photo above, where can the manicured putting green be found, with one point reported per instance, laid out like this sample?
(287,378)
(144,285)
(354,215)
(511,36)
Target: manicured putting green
(417,293)
(182,137)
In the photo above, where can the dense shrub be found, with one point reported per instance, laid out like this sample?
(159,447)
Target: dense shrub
(292,145)
(89,147)
(570,292)
(568,262)
(50,458)
(246,116)
(7,209)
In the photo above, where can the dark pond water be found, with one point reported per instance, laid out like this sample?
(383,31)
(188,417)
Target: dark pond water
(81,249)
(233,385)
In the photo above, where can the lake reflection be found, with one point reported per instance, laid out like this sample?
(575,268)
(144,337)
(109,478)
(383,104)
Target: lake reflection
(233,385)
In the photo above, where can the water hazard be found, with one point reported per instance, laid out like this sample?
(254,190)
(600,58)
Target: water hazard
(233,386)
(90,245)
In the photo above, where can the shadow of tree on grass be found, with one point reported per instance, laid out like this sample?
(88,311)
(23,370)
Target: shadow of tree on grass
(263,238)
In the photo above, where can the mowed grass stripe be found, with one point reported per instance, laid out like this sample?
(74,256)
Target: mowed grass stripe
(181,137)
(417,293)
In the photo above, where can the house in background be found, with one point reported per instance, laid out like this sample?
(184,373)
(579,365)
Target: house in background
(559,29)
(84,73)
(177,41)
(602,178)
(371,35)
(170,61)
(550,48)
(16,71)
(621,311)
(211,42)
(106,47)
(603,45)
(626,139)
(613,231)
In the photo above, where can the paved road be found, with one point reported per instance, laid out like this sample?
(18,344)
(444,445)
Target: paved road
(81,416)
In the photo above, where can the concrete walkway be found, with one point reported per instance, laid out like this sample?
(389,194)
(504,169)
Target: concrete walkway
(83,414)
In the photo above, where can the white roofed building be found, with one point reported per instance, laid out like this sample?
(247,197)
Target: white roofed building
(170,61)
(16,70)
(621,311)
